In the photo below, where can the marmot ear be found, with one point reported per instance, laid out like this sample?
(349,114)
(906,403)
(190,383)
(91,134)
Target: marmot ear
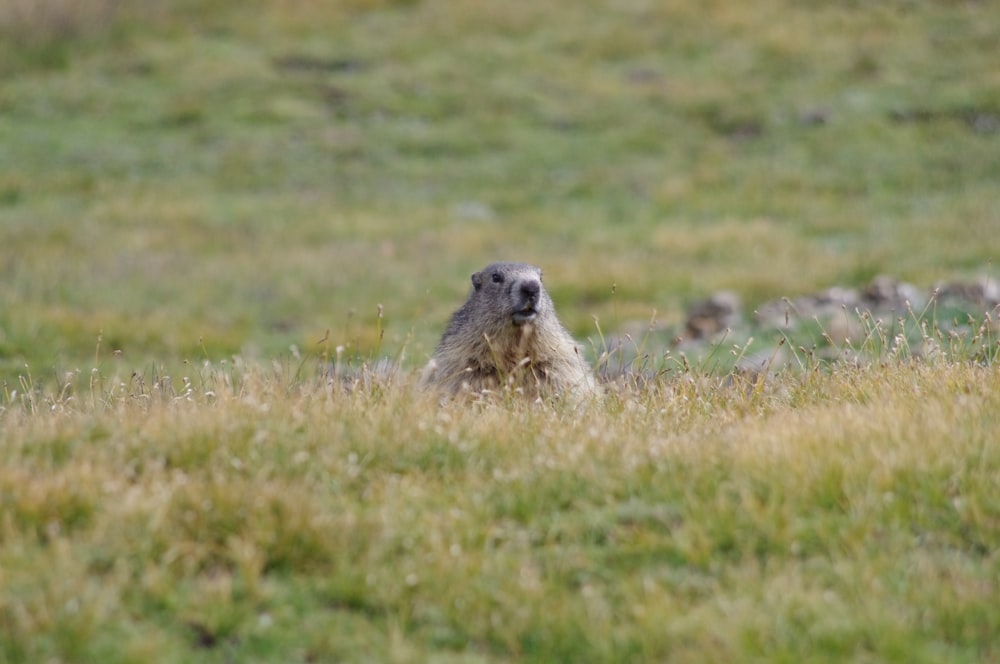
(477,280)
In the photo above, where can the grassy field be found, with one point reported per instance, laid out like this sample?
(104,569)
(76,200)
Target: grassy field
(202,205)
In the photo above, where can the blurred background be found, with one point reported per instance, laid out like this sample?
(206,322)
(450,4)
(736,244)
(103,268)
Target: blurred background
(186,180)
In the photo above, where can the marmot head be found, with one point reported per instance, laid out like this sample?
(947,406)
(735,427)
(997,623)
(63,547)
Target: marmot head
(511,292)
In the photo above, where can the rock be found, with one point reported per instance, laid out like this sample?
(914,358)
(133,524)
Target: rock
(707,318)
(984,293)
(783,313)
(886,294)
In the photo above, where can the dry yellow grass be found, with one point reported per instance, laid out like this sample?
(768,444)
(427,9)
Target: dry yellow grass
(844,513)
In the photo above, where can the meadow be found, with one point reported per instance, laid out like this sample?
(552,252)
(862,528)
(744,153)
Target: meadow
(214,217)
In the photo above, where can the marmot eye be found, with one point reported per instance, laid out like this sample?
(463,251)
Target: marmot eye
(497,278)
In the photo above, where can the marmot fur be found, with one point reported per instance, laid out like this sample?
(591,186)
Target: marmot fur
(507,335)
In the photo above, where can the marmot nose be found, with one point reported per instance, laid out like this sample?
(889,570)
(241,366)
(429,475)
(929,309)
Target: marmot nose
(530,289)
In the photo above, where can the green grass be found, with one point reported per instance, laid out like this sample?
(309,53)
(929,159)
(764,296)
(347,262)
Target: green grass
(235,175)
(203,204)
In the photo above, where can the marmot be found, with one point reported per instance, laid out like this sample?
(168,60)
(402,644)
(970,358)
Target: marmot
(507,334)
